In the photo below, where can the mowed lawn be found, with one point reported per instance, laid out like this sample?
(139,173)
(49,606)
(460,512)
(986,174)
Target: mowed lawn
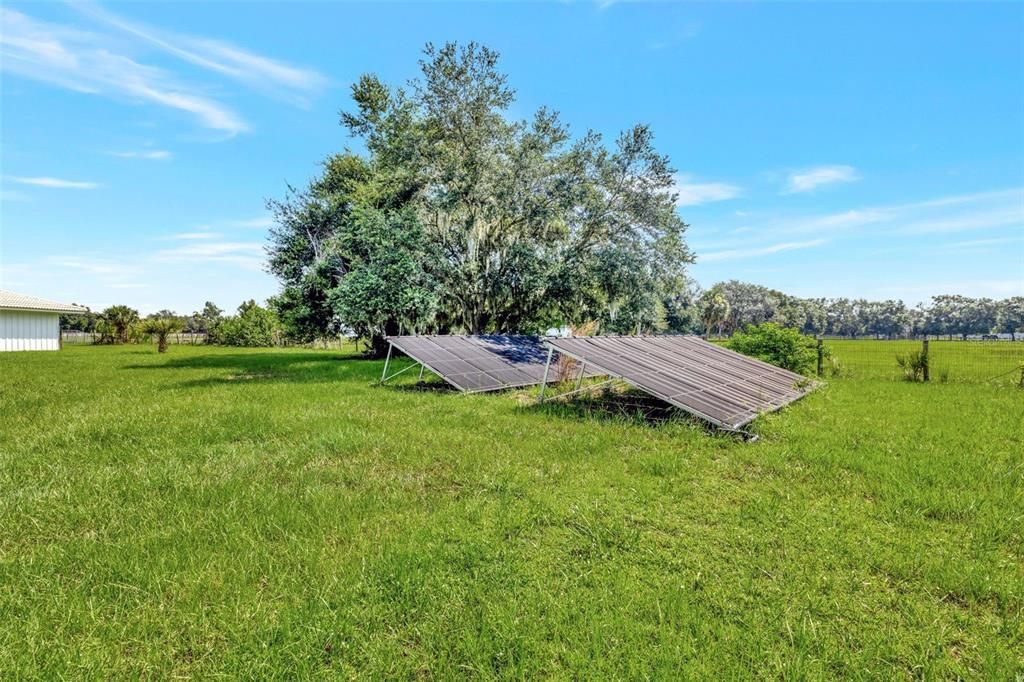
(274,514)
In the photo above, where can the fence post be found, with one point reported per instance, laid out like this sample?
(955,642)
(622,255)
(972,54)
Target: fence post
(924,358)
(821,357)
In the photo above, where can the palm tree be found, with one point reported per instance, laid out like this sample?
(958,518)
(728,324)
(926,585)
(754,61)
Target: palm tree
(715,310)
(121,318)
(161,328)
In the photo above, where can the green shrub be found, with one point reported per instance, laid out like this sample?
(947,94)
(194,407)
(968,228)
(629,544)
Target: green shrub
(106,331)
(913,365)
(780,346)
(110,334)
(253,326)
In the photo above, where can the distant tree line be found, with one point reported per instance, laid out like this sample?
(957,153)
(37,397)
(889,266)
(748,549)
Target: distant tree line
(722,310)
(731,306)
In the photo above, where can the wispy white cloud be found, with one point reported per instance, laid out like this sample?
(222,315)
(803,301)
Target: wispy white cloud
(973,243)
(256,71)
(149,155)
(733,254)
(247,255)
(690,193)
(680,35)
(957,213)
(190,236)
(83,61)
(83,271)
(53,183)
(810,179)
(259,222)
(217,230)
(976,248)
(13,195)
(999,212)
(226,274)
(227,225)
(1000,216)
(95,266)
(991,288)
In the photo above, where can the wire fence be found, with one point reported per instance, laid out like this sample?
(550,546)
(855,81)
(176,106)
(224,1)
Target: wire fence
(334,343)
(935,360)
(73,338)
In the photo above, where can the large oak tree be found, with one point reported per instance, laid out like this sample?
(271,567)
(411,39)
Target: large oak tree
(478,222)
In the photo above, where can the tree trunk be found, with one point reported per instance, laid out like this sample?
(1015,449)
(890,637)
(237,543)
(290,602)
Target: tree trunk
(161,344)
(377,346)
(378,343)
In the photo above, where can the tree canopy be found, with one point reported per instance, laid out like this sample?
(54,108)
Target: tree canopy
(460,218)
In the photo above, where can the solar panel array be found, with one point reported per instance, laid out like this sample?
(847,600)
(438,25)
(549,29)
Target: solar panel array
(716,384)
(480,363)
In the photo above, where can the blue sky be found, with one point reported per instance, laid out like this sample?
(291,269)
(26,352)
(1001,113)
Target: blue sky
(826,150)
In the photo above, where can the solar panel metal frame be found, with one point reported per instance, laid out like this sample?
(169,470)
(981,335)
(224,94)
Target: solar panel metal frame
(443,353)
(724,379)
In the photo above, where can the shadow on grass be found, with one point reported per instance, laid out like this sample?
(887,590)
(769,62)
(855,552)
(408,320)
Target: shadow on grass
(627,407)
(632,407)
(435,386)
(277,366)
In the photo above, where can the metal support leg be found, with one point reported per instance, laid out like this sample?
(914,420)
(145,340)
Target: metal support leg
(579,379)
(422,367)
(544,383)
(387,360)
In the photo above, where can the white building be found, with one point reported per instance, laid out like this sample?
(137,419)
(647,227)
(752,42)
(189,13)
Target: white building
(30,323)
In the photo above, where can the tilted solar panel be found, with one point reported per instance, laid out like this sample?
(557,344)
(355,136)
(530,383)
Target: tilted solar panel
(481,363)
(716,384)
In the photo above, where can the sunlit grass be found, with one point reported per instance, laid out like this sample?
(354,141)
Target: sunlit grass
(956,361)
(274,514)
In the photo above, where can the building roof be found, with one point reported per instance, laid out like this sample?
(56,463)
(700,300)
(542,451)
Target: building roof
(12,301)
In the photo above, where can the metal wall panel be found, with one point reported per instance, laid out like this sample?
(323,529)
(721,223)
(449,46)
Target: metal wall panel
(20,331)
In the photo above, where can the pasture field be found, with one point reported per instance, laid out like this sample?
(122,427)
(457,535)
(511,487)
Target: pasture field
(273,514)
(956,361)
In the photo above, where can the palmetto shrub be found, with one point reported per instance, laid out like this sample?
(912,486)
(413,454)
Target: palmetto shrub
(913,365)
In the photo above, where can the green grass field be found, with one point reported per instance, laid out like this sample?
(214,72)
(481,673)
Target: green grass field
(956,361)
(273,514)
